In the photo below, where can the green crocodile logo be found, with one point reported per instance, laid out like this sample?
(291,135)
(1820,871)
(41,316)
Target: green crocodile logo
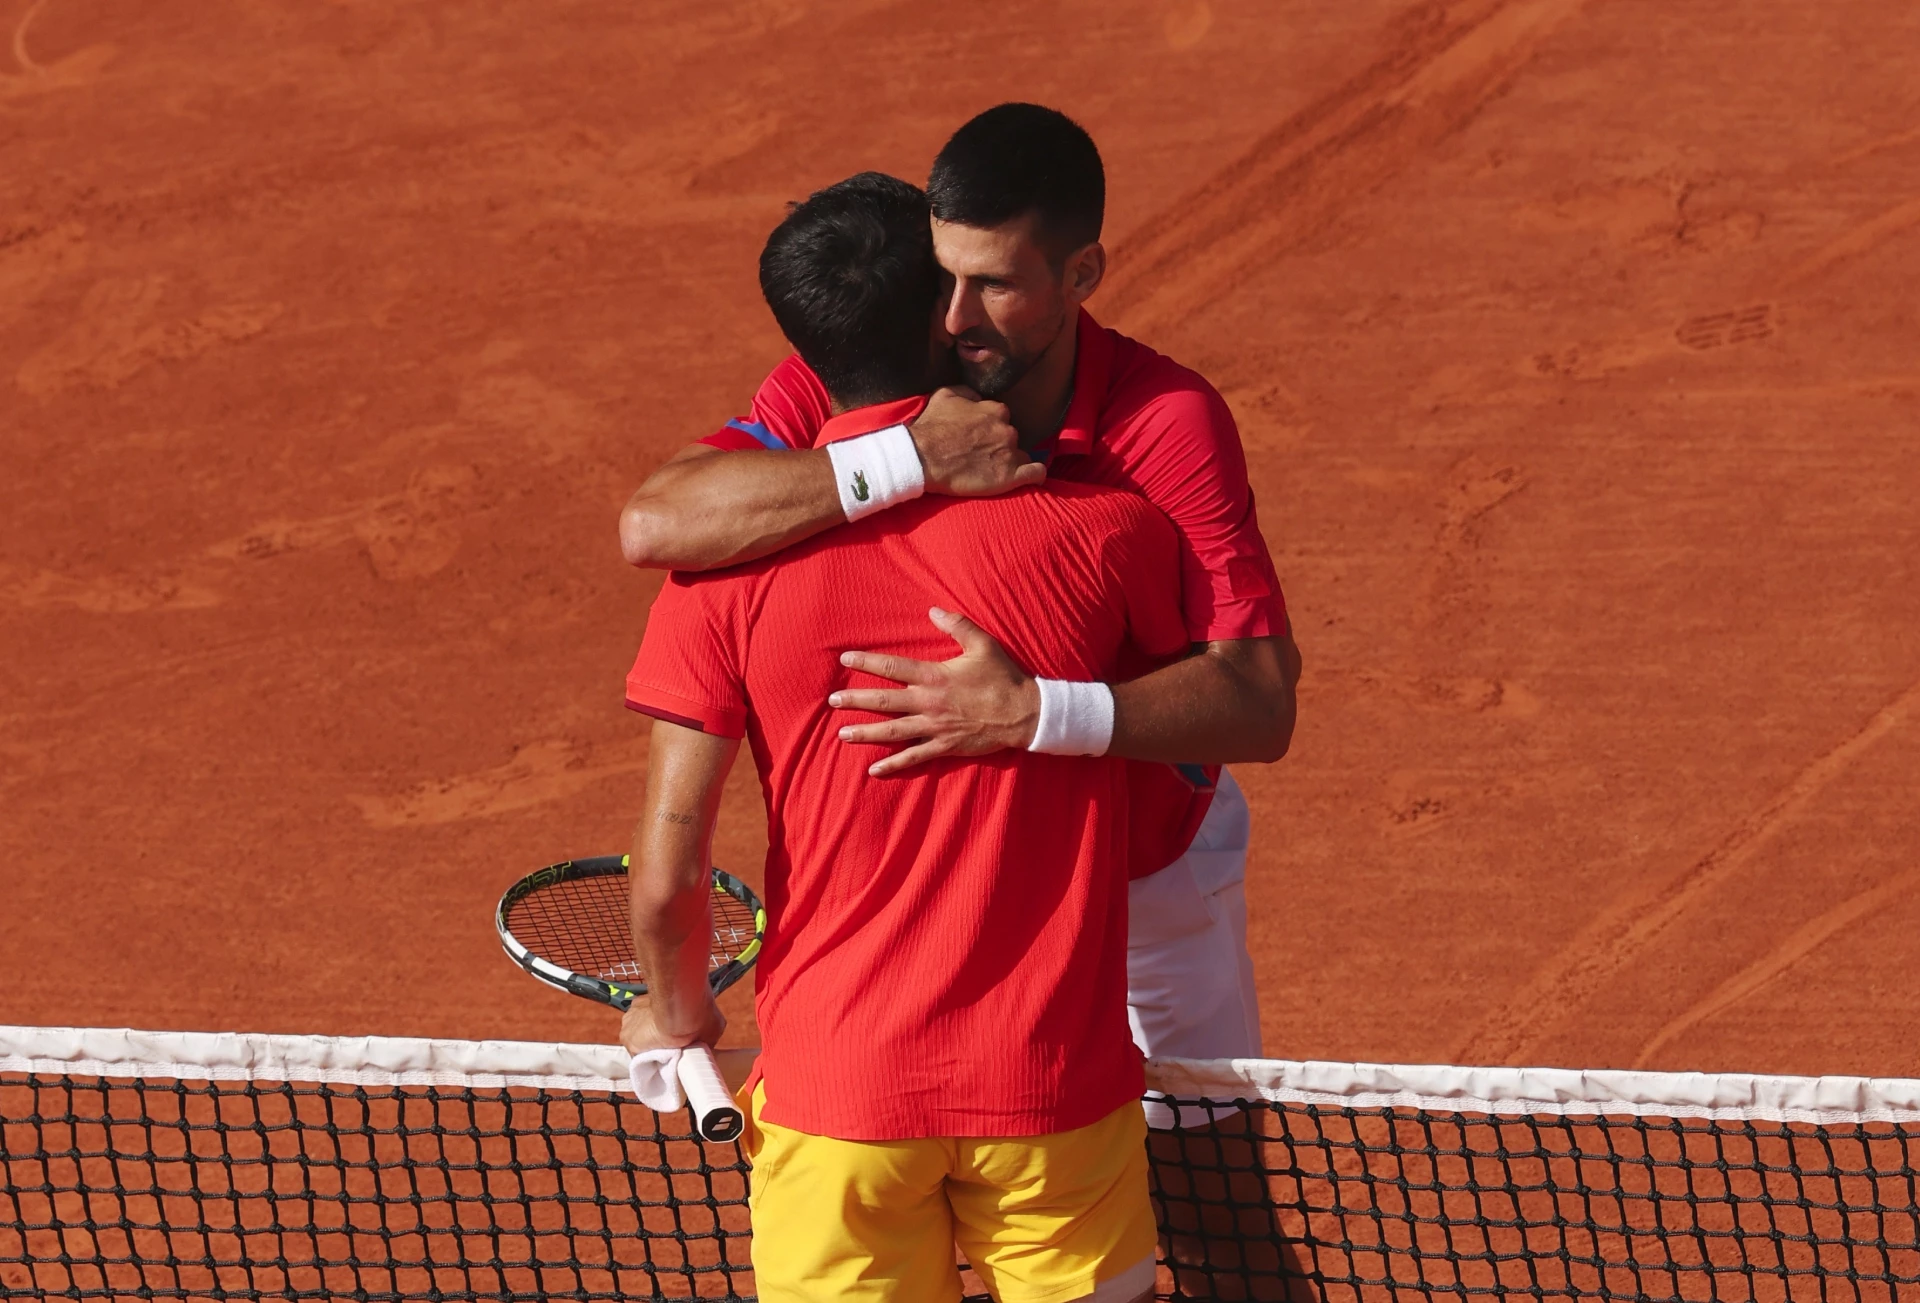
(859,486)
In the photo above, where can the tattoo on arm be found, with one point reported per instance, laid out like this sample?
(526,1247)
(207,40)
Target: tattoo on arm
(675,816)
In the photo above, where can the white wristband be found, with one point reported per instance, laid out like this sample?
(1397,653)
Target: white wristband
(876,471)
(1076,719)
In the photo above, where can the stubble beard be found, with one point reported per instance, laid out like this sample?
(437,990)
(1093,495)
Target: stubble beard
(996,378)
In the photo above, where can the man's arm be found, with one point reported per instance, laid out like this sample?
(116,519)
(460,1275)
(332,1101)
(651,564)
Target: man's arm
(672,889)
(1231,702)
(703,510)
(706,508)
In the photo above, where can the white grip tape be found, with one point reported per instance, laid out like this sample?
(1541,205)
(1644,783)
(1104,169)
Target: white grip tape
(876,471)
(1076,719)
(715,1115)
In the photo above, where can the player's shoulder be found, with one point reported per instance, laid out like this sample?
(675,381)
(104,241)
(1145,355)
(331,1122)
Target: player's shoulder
(1146,382)
(791,404)
(1169,424)
(1103,512)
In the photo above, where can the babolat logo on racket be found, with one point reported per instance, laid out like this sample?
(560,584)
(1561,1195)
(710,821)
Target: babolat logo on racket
(859,486)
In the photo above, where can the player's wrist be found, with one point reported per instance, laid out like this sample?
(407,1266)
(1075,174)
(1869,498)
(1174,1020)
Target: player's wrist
(876,471)
(690,1021)
(1075,719)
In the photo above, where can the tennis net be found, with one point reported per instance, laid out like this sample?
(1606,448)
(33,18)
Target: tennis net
(217,1166)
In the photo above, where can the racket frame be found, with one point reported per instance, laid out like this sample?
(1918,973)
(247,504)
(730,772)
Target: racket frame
(615,994)
(715,1115)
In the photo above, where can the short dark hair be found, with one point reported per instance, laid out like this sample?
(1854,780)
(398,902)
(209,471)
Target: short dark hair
(1016,159)
(851,279)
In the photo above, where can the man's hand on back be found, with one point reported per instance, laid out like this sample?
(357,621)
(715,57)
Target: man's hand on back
(969,448)
(978,702)
(1232,703)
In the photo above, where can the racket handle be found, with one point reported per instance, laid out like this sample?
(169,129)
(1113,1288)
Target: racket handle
(715,1115)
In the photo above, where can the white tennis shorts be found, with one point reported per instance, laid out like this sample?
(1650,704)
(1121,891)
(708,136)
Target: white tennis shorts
(1190,991)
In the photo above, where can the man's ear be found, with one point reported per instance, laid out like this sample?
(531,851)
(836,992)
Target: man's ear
(1086,268)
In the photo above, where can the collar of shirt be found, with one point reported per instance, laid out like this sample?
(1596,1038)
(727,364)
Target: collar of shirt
(853,423)
(1092,363)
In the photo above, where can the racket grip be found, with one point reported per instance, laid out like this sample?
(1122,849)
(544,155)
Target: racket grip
(715,1115)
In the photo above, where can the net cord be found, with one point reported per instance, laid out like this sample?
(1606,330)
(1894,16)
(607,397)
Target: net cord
(411,1061)
(1552,1092)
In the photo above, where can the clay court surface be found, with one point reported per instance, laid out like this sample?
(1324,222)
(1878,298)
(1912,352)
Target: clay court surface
(1574,347)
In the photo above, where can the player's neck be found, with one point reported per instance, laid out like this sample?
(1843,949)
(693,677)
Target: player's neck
(1038,404)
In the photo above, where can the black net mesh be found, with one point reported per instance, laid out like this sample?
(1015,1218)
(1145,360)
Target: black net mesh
(1306,1201)
(197,1190)
(179,1190)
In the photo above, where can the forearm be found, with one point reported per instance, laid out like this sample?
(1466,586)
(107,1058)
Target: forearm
(1231,703)
(714,509)
(670,876)
(670,934)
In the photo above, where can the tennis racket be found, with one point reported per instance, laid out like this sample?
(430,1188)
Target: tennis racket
(568,925)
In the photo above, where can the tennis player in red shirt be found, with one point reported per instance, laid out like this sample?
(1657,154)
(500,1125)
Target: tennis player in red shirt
(945,1046)
(1018,196)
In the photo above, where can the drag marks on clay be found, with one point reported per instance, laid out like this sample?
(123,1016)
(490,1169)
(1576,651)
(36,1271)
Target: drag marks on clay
(1862,239)
(33,256)
(171,590)
(1872,147)
(1439,694)
(118,335)
(1452,588)
(538,773)
(1698,334)
(1444,63)
(76,69)
(1595,360)
(408,535)
(20,55)
(1420,801)
(1650,214)
(1720,329)
(1777,962)
(554,422)
(1581,971)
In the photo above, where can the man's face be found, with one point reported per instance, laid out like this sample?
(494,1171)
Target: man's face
(1003,302)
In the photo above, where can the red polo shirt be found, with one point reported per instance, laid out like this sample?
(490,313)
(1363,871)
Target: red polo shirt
(1139,421)
(946,949)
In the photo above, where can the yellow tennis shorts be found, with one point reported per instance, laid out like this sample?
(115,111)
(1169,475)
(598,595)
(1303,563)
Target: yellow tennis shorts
(1041,1218)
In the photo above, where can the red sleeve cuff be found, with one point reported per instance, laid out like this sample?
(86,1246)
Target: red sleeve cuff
(717,720)
(1240,617)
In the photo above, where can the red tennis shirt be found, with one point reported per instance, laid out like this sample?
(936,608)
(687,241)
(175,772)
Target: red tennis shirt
(1138,421)
(946,949)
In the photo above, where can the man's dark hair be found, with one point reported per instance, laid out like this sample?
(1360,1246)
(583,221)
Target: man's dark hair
(851,279)
(1016,159)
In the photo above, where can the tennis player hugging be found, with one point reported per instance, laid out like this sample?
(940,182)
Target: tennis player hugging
(952,1005)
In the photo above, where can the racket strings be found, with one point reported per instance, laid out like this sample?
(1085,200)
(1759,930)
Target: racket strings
(583,924)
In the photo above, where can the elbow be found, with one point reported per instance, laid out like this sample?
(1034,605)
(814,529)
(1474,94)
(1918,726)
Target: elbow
(1279,739)
(1272,740)
(644,537)
(1274,736)
(1283,702)
(1268,701)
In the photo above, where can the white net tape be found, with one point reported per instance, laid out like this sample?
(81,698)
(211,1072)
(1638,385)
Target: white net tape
(408,1061)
